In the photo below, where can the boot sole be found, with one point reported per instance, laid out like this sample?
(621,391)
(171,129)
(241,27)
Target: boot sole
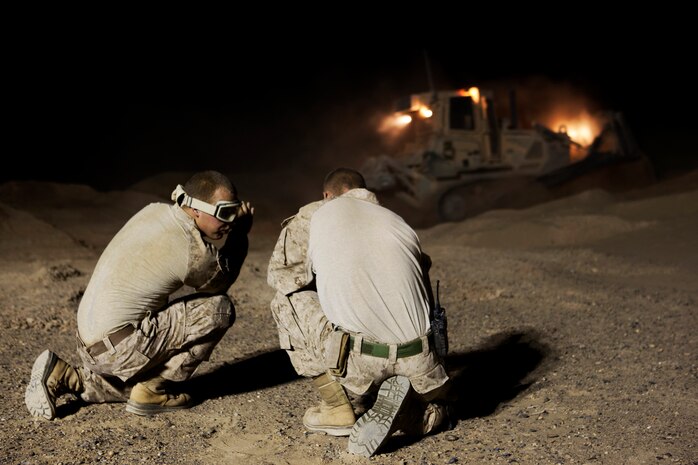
(36,397)
(148,409)
(372,430)
(338,431)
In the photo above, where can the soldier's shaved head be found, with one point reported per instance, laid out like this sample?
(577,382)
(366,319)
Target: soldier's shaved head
(341,180)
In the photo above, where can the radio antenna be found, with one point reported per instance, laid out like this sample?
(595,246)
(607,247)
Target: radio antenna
(429,78)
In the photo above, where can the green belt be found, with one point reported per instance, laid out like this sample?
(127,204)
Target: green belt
(375,349)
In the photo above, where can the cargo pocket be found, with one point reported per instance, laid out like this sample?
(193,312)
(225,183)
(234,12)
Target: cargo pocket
(430,380)
(286,318)
(126,363)
(337,353)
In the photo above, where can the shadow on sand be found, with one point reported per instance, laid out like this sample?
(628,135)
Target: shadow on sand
(497,372)
(259,371)
(481,380)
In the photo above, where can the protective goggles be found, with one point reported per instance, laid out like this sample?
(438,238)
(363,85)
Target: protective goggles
(224,210)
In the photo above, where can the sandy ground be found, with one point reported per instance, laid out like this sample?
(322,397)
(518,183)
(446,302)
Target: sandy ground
(573,327)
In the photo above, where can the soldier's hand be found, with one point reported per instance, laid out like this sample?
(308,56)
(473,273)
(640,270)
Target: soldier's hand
(245,208)
(243,221)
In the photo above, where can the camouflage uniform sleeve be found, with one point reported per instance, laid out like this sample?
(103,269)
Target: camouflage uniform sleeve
(287,270)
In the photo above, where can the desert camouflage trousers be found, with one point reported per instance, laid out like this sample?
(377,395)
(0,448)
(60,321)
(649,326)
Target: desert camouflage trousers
(305,333)
(303,330)
(171,343)
(425,370)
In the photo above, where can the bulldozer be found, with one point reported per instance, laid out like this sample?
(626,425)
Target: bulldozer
(452,156)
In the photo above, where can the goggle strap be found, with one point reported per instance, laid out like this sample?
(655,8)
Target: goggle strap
(197,204)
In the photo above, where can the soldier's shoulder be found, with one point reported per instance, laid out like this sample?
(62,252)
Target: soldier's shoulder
(309,209)
(285,222)
(304,213)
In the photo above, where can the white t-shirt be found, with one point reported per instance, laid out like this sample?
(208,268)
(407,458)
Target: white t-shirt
(367,262)
(154,254)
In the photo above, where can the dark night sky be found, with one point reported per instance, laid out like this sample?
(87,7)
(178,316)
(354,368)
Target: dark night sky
(108,118)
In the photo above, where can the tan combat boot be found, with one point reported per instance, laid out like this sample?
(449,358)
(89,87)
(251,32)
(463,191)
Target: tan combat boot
(334,415)
(152,396)
(436,418)
(421,420)
(51,377)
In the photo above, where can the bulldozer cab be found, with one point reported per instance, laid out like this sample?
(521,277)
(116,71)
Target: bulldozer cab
(449,133)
